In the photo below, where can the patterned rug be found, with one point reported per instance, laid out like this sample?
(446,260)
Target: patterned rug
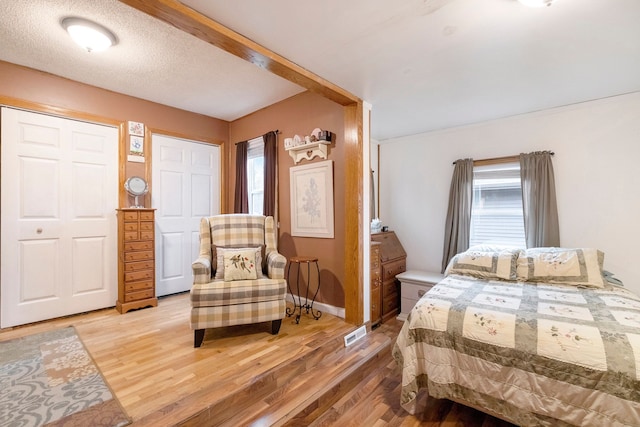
(49,379)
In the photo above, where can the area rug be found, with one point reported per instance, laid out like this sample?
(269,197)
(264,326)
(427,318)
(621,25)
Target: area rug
(49,379)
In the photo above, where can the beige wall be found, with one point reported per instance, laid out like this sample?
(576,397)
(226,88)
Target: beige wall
(59,94)
(299,115)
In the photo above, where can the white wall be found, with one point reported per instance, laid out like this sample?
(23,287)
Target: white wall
(597,171)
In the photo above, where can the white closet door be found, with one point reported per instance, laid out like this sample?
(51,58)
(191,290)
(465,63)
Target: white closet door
(59,195)
(186,187)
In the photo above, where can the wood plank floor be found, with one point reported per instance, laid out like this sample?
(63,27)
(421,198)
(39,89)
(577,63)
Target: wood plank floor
(148,359)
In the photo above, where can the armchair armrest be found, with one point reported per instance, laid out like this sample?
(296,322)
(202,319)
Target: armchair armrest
(275,265)
(201,271)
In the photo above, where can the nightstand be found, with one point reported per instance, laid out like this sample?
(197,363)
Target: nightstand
(413,285)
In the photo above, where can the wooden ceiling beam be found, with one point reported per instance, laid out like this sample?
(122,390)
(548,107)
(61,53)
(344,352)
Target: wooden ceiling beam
(190,21)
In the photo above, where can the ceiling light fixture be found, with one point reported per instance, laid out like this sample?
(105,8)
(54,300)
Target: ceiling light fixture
(90,36)
(536,3)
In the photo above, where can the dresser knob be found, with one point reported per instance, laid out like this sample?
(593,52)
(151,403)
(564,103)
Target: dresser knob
(39,230)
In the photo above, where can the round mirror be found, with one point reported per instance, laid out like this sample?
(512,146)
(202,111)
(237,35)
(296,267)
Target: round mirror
(136,186)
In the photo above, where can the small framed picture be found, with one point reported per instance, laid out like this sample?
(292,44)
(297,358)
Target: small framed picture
(136,146)
(136,128)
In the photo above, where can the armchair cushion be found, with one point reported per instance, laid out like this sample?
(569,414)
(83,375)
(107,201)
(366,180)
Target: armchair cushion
(220,293)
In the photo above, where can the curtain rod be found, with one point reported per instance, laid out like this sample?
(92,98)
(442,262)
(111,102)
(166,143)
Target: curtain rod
(499,160)
(276,131)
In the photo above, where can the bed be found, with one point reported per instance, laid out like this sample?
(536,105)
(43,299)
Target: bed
(534,337)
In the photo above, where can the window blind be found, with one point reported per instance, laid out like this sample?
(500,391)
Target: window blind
(496,212)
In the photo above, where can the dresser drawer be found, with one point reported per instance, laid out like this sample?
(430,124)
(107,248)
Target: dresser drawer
(138,286)
(131,235)
(135,296)
(389,288)
(138,246)
(130,226)
(390,270)
(139,265)
(146,226)
(138,256)
(146,235)
(414,291)
(130,216)
(389,304)
(146,216)
(134,276)
(406,305)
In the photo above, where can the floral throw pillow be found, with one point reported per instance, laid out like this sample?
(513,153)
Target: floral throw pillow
(487,265)
(218,259)
(568,266)
(240,264)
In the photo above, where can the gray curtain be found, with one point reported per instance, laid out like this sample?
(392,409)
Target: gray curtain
(270,173)
(241,199)
(458,225)
(539,200)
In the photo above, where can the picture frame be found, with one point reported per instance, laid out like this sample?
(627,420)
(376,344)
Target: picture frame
(136,149)
(311,193)
(136,128)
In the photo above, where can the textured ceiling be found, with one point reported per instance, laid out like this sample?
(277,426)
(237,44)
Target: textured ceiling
(152,60)
(421,64)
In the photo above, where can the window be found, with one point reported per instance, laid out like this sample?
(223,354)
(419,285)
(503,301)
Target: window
(496,213)
(255,175)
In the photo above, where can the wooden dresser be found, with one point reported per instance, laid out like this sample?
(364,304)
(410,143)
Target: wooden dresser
(376,285)
(136,259)
(393,260)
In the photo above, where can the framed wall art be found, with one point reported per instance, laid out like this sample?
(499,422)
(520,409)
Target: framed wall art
(136,128)
(312,200)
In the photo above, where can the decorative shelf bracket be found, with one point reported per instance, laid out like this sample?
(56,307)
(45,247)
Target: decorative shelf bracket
(308,151)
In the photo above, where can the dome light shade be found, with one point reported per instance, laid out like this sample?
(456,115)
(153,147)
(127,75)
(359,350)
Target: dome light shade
(536,3)
(90,36)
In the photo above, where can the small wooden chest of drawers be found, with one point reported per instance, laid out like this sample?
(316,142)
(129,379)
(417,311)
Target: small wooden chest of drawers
(414,284)
(393,262)
(136,260)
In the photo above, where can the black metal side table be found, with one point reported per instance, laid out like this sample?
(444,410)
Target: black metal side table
(297,305)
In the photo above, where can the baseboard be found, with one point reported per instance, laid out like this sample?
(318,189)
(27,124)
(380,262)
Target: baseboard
(402,317)
(324,308)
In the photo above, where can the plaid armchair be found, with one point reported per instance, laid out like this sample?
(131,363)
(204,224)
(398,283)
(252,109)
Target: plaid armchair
(216,302)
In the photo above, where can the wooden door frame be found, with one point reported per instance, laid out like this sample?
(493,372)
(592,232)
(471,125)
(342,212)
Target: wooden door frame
(188,20)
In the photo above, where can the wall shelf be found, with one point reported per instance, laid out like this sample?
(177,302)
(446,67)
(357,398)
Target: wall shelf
(308,151)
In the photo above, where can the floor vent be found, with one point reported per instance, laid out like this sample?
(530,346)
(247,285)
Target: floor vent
(355,336)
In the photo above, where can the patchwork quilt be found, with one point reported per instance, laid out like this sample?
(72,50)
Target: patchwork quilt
(531,353)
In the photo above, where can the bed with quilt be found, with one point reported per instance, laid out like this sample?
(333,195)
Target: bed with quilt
(535,337)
